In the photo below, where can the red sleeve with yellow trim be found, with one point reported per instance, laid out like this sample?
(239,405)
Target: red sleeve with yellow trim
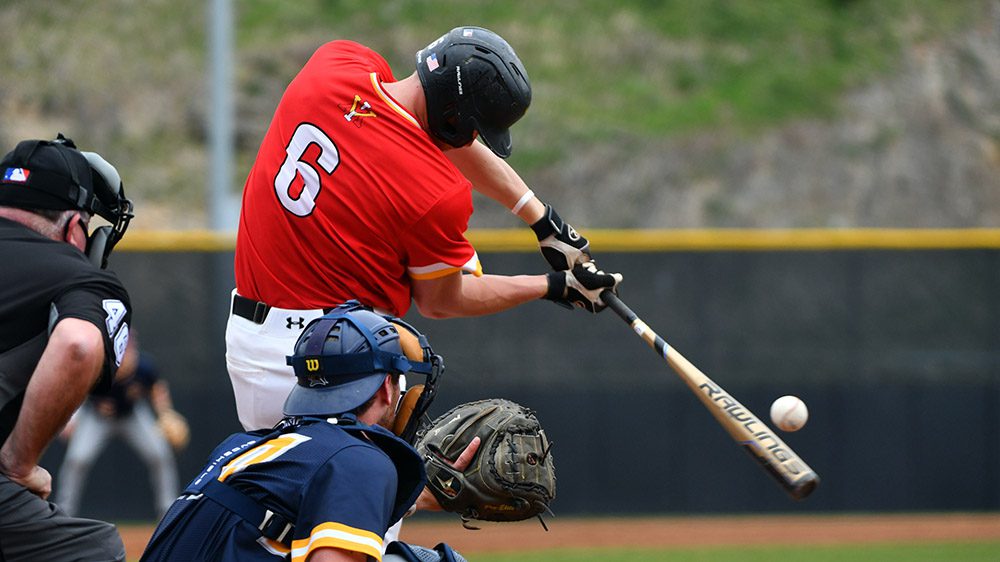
(437,246)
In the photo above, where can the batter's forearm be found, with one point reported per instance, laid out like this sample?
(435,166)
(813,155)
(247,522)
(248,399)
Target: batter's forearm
(466,295)
(494,178)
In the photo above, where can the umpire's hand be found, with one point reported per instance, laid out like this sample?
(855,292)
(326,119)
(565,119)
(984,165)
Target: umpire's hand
(37,480)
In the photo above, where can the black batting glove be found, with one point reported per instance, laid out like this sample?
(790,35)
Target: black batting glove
(561,245)
(582,286)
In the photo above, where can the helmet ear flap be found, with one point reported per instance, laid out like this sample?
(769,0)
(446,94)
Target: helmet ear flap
(405,410)
(410,343)
(415,401)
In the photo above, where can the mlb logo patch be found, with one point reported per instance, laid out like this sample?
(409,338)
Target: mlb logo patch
(432,62)
(16,175)
(466,33)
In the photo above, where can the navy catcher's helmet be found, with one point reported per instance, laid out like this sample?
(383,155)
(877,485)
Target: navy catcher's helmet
(341,359)
(54,175)
(473,82)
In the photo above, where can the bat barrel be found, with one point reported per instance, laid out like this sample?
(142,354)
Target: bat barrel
(805,486)
(787,468)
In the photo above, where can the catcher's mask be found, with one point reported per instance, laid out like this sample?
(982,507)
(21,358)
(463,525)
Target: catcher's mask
(54,175)
(473,82)
(341,359)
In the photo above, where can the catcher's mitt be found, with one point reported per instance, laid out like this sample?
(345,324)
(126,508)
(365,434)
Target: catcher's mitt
(174,428)
(511,477)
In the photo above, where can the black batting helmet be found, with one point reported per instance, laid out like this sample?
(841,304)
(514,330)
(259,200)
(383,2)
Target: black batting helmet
(473,82)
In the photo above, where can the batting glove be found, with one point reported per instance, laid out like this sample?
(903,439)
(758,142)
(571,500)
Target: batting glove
(561,245)
(582,286)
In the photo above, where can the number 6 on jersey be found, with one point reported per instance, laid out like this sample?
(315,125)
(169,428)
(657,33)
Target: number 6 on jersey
(329,158)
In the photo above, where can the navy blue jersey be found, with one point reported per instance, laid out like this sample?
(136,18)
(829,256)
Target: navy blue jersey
(120,398)
(340,487)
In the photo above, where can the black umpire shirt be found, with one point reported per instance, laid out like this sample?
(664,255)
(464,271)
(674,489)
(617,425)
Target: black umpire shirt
(41,282)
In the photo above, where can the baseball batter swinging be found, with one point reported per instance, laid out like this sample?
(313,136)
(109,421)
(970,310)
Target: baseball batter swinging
(362,190)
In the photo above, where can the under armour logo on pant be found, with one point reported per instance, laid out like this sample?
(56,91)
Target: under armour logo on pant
(301,322)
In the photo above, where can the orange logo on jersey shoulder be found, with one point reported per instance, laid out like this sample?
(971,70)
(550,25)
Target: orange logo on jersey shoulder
(357,110)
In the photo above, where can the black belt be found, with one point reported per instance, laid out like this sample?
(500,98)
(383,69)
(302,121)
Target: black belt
(256,311)
(250,309)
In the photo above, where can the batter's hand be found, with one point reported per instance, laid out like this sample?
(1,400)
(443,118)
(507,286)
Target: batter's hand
(582,286)
(426,501)
(561,245)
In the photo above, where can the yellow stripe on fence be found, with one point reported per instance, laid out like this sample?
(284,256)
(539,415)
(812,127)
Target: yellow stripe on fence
(611,240)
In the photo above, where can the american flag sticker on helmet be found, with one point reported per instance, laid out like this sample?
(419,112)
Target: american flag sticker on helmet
(432,62)
(16,175)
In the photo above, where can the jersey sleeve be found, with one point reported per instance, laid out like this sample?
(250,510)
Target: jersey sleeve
(347,504)
(101,300)
(436,245)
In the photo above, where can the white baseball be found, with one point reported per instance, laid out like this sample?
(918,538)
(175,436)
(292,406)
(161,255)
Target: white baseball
(789,413)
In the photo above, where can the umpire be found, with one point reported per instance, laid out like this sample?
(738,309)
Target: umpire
(64,325)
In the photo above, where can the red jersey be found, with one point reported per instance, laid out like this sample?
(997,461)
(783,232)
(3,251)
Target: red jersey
(348,198)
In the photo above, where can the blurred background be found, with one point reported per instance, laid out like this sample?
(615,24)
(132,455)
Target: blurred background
(804,197)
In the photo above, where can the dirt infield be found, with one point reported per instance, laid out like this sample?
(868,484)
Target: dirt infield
(683,531)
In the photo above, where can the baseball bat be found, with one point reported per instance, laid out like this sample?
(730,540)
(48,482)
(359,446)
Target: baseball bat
(777,458)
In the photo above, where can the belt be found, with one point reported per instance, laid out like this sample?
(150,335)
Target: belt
(256,311)
(250,309)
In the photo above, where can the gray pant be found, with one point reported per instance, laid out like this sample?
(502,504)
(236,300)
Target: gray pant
(33,529)
(91,436)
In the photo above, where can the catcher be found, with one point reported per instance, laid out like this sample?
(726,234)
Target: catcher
(327,482)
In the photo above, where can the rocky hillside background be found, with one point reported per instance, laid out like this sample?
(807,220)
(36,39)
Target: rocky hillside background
(824,113)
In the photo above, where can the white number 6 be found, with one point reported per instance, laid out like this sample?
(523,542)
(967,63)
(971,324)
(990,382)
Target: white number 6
(329,158)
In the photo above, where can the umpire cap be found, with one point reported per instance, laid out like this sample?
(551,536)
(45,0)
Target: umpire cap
(340,361)
(473,82)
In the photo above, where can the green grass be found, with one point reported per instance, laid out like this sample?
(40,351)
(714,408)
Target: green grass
(625,72)
(927,552)
(650,66)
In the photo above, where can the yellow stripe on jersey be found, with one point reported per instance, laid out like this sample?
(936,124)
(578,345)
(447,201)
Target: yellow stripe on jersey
(391,102)
(267,451)
(337,535)
(439,269)
(273,547)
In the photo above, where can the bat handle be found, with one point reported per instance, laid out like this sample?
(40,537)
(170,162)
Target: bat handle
(620,308)
(638,326)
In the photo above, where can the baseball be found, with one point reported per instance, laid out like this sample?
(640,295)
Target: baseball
(789,413)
